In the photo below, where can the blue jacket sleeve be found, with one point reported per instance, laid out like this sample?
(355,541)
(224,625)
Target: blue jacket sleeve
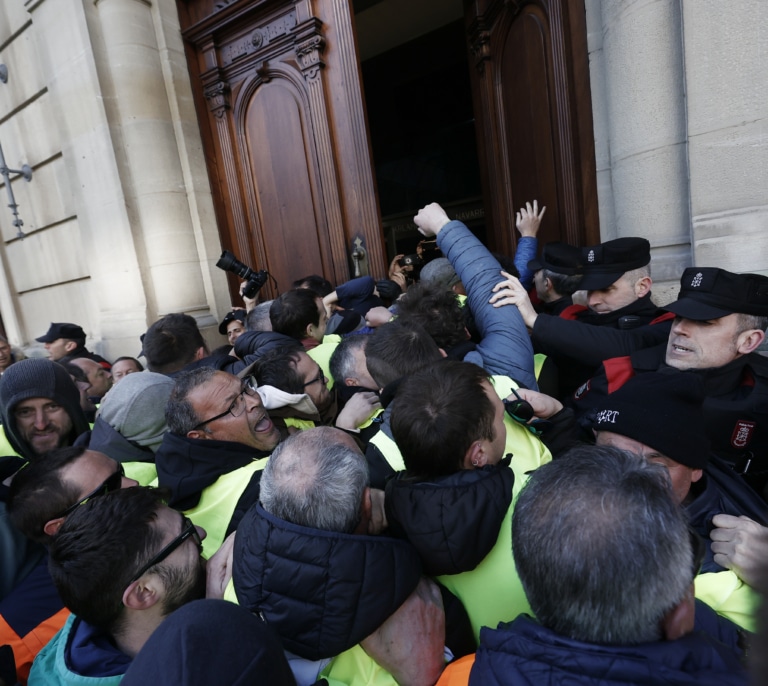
(526,251)
(505,347)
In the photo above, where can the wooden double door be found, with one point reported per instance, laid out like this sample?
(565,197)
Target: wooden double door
(280,100)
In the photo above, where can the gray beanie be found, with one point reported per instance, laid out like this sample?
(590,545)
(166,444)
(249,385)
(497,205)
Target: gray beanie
(439,272)
(38,378)
(135,408)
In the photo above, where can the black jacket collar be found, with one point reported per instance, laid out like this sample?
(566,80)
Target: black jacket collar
(453,521)
(323,592)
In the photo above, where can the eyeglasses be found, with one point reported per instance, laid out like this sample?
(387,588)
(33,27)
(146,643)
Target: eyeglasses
(520,410)
(189,529)
(238,404)
(112,483)
(320,377)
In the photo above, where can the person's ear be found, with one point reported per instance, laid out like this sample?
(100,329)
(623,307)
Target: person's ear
(143,593)
(69,346)
(52,527)
(443,353)
(643,286)
(696,475)
(679,620)
(350,381)
(475,457)
(201,353)
(748,341)
(365,513)
(200,434)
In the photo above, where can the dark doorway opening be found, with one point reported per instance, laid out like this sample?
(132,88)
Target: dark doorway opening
(422,131)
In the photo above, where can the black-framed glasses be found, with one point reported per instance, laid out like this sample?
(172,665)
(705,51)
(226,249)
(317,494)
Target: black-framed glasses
(320,377)
(188,530)
(112,483)
(238,404)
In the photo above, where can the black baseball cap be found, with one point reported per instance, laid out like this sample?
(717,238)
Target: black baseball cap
(711,293)
(662,410)
(62,330)
(238,315)
(605,264)
(560,258)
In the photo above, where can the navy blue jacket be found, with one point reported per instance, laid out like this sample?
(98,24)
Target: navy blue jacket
(323,592)
(524,653)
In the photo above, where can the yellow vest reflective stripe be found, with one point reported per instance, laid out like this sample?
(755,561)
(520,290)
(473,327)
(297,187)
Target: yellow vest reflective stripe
(354,667)
(528,452)
(322,355)
(389,450)
(491,592)
(301,424)
(5,445)
(729,596)
(217,504)
(538,363)
(144,472)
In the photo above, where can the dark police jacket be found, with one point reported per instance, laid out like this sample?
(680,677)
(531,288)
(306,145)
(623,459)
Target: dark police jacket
(735,406)
(578,340)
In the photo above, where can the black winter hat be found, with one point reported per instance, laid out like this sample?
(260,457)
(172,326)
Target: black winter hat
(711,293)
(661,410)
(38,378)
(604,264)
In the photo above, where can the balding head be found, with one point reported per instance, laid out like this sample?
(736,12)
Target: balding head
(316,478)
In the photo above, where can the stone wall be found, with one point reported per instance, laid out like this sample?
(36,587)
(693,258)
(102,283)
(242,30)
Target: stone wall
(119,218)
(680,130)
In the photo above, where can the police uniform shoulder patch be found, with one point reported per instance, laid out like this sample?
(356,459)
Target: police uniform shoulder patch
(742,433)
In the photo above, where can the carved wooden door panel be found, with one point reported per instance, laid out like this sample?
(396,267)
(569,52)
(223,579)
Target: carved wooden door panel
(530,81)
(281,111)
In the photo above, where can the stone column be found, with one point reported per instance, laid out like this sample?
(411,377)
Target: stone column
(636,45)
(726,61)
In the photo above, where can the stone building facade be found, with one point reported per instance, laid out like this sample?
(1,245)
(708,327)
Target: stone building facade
(119,219)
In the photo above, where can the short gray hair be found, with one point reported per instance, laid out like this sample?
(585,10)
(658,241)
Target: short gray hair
(747,322)
(342,363)
(258,318)
(179,413)
(312,479)
(602,549)
(634,275)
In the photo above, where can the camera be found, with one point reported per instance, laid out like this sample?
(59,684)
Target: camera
(255,280)
(410,261)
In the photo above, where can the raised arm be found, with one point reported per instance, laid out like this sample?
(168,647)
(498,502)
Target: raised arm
(505,347)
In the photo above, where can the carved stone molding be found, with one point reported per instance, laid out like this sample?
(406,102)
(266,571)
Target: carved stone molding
(217,96)
(309,54)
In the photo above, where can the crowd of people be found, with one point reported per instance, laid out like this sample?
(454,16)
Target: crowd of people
(475,471)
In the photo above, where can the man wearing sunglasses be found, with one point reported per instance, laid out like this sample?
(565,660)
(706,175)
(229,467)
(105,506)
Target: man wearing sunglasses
(218,440)
(42,495)
(121,563)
